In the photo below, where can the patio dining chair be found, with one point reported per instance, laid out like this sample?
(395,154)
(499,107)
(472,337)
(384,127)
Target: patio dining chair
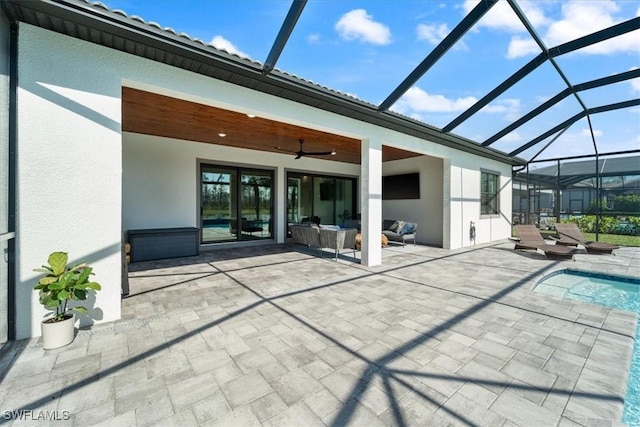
(570,235)
(530,238)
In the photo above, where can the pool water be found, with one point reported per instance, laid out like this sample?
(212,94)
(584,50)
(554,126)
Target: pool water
(608,291)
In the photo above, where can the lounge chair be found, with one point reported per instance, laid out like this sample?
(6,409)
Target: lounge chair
(530,238)
(570,235)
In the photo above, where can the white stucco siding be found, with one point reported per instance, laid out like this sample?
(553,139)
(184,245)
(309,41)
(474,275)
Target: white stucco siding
(464,201)
(68,168)
(4,174)
(427,211)
(160,177)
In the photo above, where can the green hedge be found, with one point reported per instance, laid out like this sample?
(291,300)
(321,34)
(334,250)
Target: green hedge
(608,224)
(621,203)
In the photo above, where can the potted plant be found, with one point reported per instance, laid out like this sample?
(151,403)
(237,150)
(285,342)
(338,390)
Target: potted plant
(61,284)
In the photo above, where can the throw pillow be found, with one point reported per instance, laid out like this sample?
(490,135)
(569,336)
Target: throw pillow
(393,227)
(407,228)
(399,225)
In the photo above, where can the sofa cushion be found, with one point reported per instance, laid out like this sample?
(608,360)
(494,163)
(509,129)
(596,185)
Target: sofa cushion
(407,228)
(387,223)
(397,226)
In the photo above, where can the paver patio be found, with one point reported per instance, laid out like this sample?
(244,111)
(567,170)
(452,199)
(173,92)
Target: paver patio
(271,336)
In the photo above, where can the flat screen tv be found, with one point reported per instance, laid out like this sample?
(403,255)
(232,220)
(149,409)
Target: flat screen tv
(400,187)
(327,191)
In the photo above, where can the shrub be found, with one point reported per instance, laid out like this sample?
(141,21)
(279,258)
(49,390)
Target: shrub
(627,203)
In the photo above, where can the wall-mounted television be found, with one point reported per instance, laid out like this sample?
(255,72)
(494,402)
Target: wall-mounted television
(400,187)
(327,190)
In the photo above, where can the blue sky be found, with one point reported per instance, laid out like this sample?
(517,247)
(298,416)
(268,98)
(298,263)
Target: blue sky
(367,48)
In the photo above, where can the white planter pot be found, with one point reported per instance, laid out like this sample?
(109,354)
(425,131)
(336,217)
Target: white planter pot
(57,334)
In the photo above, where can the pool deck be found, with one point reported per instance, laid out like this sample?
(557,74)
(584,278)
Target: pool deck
(273,336)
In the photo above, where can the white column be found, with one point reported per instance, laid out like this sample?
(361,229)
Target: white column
(447,203)
(371,201)
(279,216)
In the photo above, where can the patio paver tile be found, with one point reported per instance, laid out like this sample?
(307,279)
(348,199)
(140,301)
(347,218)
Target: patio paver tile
(428,338)
(245,388)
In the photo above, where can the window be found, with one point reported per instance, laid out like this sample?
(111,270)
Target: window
(489,193)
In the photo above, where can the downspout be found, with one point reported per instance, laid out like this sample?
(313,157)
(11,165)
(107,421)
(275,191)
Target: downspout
(11,225)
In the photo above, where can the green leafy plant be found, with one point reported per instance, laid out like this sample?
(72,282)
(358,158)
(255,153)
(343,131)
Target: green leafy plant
(627,203)
(63,283)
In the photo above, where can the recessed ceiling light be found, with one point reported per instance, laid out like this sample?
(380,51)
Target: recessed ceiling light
(333,152)
(251,116)
(222,134)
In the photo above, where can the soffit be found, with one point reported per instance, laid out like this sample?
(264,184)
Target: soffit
(153,114)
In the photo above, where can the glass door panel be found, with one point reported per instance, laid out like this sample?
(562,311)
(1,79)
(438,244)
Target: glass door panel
(256,205)
(324,200)
(218,204)
(344,200)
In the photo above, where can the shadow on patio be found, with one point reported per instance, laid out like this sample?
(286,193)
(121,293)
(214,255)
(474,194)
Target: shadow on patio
(273,336)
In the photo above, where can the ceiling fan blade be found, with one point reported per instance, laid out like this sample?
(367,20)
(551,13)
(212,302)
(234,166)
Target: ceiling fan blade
(319,153)
(285,150)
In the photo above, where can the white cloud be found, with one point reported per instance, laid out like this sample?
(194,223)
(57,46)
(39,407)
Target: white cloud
(313,38)
(509,108)
(221,43)
(502,17)
(359,25)
(512,137)
(432,33)
(521,47)
(416,100)
(635,83)
(580,18)
(587,133)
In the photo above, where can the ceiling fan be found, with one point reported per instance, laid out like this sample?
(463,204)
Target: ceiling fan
(300,153)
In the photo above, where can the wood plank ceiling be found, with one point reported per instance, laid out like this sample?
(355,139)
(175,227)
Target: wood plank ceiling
(153,114)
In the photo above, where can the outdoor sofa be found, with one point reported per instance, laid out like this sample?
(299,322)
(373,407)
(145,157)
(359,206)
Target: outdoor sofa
(324,237)
(399,231)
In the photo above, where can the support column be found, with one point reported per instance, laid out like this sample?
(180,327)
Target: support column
(371,201)
(279,220)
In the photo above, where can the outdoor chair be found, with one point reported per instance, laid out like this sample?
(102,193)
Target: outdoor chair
(338,239)
(530,238)
(570,235)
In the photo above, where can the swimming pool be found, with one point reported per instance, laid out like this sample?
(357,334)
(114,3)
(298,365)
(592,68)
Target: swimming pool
(608,291)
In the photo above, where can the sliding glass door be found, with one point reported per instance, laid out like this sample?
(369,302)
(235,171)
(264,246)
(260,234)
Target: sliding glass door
(320,199)
(235,203)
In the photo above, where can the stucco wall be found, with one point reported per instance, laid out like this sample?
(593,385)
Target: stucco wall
(71,159)
(464,202)
(4,169)
(160,178)
(69,167)
(428,210)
